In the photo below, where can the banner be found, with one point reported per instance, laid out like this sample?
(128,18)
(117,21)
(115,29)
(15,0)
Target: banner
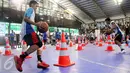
(2,28)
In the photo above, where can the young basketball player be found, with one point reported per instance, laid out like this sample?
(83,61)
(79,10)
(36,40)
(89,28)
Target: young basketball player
(30,37)
(113,27)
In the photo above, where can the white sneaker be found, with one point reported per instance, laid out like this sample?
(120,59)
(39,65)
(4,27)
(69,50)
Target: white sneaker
(123,51)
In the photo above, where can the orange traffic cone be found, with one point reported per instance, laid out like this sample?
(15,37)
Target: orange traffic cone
(7,47)
(100,43)
(24,47)
(126,44)
(83,44)
(79,48)
(109,47)
(58,46)
(70,43)
(79,45)
(96,42)
(64,59)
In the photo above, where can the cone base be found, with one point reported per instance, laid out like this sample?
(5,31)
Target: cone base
(57,48)
(100,45)
(109,50)
(64,65)
(8,54)
(83,45)
(79,49)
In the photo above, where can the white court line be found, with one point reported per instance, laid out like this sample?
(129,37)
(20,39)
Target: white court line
(104,64)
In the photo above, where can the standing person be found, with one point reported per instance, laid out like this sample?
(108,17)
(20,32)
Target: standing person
(53,39)
(127,32)
(113,27)
(58,35)
(67,38)
(12,35)
(30,37)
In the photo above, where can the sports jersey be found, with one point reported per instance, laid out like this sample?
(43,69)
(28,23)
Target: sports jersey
(117,30)
(28,28)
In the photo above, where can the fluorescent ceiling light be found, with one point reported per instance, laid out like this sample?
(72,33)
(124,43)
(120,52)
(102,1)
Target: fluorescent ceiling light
(69,11)
(118,2)
(57,1)
(17,3)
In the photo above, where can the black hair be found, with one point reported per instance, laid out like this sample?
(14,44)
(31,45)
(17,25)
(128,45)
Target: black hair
(108,19)
(32,2)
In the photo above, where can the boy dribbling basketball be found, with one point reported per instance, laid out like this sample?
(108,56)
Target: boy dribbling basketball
(113,27)
(30,37)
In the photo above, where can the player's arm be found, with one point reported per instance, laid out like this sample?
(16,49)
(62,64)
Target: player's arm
(108,30)
(26,19)
(27,16)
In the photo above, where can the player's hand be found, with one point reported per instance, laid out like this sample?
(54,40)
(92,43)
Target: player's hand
(39,24)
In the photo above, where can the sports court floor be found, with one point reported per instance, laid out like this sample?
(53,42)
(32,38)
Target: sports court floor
(92,59)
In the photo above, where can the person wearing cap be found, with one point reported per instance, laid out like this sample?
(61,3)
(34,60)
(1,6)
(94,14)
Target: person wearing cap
(113,27)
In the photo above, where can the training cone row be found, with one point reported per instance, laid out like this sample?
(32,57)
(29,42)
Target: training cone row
(64,59)
(7,47)
(109,47)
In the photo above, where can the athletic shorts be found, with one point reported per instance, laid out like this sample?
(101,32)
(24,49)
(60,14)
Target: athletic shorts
(32,39)
(118,37)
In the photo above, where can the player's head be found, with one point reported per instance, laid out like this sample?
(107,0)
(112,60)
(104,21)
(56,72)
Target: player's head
(113,24)
(57,30)
(108,20)
(33,4)
(12,31)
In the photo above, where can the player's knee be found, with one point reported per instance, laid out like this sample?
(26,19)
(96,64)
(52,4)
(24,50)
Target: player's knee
(39,44)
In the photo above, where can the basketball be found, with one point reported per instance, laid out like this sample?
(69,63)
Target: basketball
(108,32)
(44,28)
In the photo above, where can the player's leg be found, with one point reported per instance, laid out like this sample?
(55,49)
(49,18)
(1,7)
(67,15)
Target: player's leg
(118,41)
(41,64)
(32,40)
